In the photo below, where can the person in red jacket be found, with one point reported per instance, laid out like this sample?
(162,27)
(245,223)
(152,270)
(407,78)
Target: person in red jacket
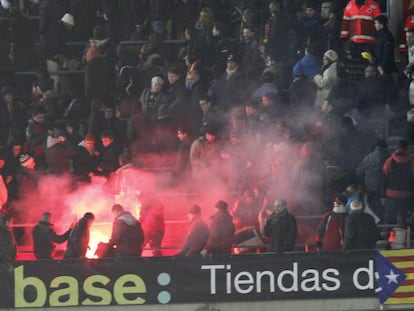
(399,177)
(357,27)
(330,234)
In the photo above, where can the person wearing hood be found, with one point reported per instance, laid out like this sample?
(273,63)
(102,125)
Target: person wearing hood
(361,231)
(127,236)
(281,228)
(328,77)
(399,179)
(330,234)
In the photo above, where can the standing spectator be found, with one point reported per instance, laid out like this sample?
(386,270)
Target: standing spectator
(313,30)
(44,238)
(86,159)
(78,242)
(196,88)
(5,123)
(357,28)
(177,92)
(7,243)
(276,32)
(384,49)
(281,228)
(58,152)
(330,234)
(127,236)
(36,135)
(308,66)
(99,72)
(16,112)
(222,230)
(371,177)
(182,169)
(152,220)
(153,98)
(409,38)
(360,229)
(197,235)
(221,45)
(399,176)
(251,60)
(327,78)
(109,154)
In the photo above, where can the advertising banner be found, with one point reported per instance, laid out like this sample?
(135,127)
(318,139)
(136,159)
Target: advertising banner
(167,280)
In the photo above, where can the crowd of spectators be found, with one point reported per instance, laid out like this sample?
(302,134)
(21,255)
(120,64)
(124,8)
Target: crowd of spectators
(267,98)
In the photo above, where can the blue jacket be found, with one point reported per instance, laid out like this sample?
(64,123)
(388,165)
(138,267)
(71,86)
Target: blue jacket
(308,66)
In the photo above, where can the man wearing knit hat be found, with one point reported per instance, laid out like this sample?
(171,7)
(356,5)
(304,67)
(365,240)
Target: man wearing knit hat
(327,78)
(222,230)
(360,229)
(281,228)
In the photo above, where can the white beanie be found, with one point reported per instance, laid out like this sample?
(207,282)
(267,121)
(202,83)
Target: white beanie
(5,4)
(331,55)
(356,205)
(68,19)
(157,79)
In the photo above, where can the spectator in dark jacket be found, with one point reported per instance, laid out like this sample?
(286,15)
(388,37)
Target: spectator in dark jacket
(197,235)
(384,46)
(7,243)
(222,230)
(109,155)
(127,235)
(78,241)
(44,238)
(360,229)
(370,174)
(281,228)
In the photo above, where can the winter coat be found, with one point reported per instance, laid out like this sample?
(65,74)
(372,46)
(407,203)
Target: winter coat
(330,233)
(127,235)
(399,170)
(7,245)
(196,238)
(384,50)
(44,238)
(325,82)
(221,235)
(78,241)
(370,170)
(360,231)
(282,230)
(308,66)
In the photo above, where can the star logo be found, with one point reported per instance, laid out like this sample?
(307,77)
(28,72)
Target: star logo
(392,277)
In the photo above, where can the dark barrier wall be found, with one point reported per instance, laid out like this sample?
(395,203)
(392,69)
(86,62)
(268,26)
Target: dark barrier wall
(168,280)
